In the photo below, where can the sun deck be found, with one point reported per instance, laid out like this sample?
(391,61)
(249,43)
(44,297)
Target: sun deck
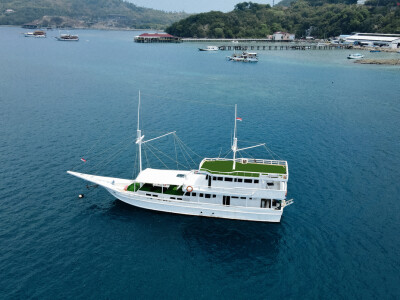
(252,168)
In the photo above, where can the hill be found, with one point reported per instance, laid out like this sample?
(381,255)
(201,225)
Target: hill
(84,13)
(252,20)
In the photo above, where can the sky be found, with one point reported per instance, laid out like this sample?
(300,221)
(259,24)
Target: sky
(193,6)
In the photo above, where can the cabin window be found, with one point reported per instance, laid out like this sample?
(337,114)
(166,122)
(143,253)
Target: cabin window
(155,195)
(148,195)
(180,175)
(194,194)
(207,196)
(234,197)
(187,194)
(179,198)
(240,180)
(248,181)
(220,179)
(201,195)
(235,180)
(214,178)
(270,183)
(206,177)
(228,179)
(214,196)
(256,181)
(172,198)
(244,198)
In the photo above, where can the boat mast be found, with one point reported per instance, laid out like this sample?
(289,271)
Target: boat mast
(234,145)
(139,137)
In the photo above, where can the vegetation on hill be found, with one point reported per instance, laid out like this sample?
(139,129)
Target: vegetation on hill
(313,17)
(86,13)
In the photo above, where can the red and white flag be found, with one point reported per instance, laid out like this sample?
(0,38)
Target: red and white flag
(82,159)
(239,119)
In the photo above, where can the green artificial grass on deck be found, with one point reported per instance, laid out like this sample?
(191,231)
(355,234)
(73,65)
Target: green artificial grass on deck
(225,167)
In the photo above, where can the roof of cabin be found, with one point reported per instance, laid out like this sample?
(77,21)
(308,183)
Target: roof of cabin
(157,176)
(254,169)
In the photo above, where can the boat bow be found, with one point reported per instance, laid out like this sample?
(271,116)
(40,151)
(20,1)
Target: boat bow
(107,182)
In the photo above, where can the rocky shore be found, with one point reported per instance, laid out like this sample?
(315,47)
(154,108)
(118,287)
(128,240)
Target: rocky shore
(392,62)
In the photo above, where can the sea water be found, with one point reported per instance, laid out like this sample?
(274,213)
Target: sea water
(335,122)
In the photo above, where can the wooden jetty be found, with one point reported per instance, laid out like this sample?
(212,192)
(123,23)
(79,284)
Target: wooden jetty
(283,47)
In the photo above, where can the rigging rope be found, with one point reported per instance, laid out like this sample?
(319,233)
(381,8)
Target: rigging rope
(149,146)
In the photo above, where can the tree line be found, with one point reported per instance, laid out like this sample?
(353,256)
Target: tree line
(313,17)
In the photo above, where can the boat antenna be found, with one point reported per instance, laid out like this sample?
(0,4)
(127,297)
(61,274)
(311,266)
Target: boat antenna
(234,145)
(139,137)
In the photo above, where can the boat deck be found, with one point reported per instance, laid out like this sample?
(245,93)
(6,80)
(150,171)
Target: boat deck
(248,169)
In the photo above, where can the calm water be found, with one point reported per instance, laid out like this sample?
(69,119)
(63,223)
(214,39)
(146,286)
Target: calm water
(335,122)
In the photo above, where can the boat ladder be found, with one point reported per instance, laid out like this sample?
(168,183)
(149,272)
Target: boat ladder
(287,202)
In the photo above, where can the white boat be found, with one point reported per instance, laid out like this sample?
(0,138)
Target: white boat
(355,56)
(67,37)
(209,48)
(244,57)
(235,188)
(36,34)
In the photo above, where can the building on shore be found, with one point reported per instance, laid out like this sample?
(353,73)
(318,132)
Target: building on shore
(283,36)
(156,38)
(375,40)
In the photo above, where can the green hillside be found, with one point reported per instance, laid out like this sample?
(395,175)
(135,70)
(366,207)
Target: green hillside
(252,20)
(84,13)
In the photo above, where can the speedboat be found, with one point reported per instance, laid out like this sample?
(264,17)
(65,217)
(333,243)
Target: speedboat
(209,48)
(355,56)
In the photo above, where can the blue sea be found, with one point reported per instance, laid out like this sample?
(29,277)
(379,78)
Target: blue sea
(335,122)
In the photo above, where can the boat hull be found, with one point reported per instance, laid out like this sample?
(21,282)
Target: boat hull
(198,209)
(162,203)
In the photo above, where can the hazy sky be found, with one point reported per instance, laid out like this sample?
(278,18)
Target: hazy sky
(193,6)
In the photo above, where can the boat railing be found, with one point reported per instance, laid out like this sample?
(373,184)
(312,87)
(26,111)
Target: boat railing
(251,160)
(246,174)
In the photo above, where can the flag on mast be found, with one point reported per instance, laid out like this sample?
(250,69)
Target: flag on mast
(239,119)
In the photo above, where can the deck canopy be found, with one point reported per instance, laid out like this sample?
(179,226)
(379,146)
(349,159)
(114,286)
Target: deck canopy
(159,177)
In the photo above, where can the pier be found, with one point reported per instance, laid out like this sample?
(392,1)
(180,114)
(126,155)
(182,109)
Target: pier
(282,47)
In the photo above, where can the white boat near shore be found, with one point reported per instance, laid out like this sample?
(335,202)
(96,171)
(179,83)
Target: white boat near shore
(231,188)
(209,48)
(355,56)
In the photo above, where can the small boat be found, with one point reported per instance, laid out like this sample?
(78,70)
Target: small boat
(355,56)
(37,34)
(209,48)
(67,37)
(244,57)
(234,188)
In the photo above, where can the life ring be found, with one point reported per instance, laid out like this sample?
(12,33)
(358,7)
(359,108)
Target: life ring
(189,188)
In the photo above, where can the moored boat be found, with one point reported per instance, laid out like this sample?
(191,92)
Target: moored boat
(36,34)
(67,37)
(355,56)
(209,48)
(244,57)
(231,188)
